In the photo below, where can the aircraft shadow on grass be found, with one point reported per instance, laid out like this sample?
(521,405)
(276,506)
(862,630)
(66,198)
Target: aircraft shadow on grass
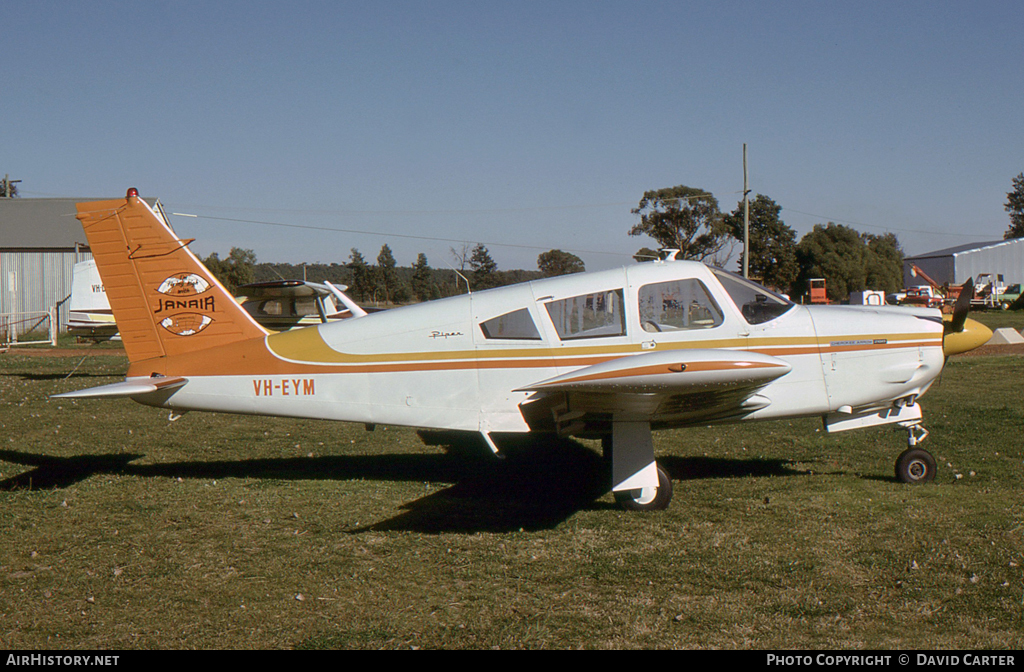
(44,377)
(530,489)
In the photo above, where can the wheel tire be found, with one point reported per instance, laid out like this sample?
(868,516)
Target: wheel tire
(915,466)
(647,499)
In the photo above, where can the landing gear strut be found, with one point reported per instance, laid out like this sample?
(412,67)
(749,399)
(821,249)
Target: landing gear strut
(638,483)
(915,465)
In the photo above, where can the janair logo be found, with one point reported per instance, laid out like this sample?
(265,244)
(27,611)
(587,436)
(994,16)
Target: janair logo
(184,284)
(181,308)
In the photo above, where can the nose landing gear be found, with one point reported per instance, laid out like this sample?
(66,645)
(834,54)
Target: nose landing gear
(915,465)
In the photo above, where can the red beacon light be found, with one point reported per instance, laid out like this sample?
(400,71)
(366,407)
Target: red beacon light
(133,193)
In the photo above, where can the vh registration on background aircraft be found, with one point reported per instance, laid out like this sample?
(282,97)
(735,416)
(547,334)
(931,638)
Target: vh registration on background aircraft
(612,355)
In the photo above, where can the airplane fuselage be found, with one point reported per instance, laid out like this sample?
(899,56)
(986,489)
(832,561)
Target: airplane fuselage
(462,362)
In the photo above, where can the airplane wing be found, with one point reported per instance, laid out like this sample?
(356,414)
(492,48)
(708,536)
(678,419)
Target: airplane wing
(658,387)
(677,370)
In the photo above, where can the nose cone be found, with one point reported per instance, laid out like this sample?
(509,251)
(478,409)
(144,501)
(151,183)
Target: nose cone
(973,335)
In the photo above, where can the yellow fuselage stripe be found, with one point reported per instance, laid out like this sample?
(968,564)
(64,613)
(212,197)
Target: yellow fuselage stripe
(307,347)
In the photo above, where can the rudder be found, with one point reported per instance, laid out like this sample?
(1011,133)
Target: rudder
(164,300)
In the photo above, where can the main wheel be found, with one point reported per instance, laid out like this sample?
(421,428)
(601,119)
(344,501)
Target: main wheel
(647,499)
(914,466)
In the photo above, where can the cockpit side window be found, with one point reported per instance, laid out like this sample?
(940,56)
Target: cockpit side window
(517,325)
(678,304)
(757,304)
(597,315)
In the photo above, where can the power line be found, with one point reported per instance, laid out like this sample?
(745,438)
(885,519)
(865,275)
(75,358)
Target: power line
(391,235)
(837,220)
(584,206)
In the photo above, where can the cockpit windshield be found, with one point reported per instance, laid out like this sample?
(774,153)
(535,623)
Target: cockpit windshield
(758,304)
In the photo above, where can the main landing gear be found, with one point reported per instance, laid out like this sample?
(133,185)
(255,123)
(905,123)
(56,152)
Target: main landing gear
(654,498)
(638,483)
(915,465)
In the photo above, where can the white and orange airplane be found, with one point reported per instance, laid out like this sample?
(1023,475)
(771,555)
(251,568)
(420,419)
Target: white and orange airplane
(612,355)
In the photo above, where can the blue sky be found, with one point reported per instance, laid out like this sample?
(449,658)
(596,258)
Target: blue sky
(523,125)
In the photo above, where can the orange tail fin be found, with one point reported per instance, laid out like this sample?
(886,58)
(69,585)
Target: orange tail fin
(164,300)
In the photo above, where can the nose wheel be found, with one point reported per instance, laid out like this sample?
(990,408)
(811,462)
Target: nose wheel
(915,465)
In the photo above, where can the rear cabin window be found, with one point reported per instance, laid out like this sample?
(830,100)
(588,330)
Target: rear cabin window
(598,315)
(678,304)
(517,325)
(305,306)
(272,307)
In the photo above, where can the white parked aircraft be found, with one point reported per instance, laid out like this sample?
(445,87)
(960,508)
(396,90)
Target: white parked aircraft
(89,313)
(278,305)
(613,354)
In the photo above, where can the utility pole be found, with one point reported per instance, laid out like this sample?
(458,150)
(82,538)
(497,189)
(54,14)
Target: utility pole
(7,185)
(746,217)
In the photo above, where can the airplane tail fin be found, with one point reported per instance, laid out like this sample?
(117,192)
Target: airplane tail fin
(164,300)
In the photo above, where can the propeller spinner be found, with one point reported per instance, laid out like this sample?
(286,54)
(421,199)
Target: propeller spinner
(960,334)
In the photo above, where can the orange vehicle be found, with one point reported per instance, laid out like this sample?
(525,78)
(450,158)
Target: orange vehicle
(817,292)
(921,296)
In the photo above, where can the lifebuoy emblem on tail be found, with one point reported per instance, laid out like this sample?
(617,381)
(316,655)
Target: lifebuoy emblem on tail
(186,324)
(184,284)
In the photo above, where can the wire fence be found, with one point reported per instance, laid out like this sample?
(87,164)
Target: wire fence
(32,328)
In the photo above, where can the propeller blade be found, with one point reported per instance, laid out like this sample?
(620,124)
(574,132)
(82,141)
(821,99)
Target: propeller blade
(960,309)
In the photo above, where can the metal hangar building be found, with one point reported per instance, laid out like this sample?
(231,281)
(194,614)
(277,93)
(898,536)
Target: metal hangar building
(1003,259)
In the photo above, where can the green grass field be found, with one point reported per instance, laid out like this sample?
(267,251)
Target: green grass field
(121,529)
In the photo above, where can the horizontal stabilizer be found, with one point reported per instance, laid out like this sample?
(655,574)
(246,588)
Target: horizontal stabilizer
(670,371)
(128,388)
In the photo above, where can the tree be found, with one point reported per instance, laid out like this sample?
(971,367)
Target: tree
(238,269)
(387,277)
(849,261)
(884,263)
(1015,206)
(557,262)
(772,244)
(422,279)
(483,267)
(685,219)
(836,253)
(362,275)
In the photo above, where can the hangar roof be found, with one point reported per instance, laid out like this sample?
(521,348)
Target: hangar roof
(42,223)
(969,247)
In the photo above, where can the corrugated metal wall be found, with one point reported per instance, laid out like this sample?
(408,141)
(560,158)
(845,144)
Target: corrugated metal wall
(1005,259)
(37,280)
